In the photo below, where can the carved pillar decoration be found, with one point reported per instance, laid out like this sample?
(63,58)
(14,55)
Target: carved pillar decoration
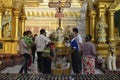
(1,23)
(23,24)
(87,26)
(102,13)
(92,24)
(16,13)
(111,25)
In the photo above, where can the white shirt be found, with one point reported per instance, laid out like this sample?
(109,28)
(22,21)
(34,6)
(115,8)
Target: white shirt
(23,47)
(79,40)
(40,42)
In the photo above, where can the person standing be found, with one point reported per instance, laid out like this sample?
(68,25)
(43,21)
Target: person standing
(40,42)
(78,38)
(88,56)
(75,56)
(33,48)
(29,42)
(25,51)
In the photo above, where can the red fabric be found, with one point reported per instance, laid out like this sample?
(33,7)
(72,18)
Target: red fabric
(30,62)
(88,63)
(52,47)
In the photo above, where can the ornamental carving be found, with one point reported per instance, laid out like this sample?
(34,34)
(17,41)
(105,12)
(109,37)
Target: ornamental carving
(12,3)
(7,3)
(18,4)
(115,4)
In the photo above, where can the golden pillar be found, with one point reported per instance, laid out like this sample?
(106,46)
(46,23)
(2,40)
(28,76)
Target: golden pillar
(111,25)
(1,23)
(87,26)
(16,13)
(23,24)
(101,11)
(92,24)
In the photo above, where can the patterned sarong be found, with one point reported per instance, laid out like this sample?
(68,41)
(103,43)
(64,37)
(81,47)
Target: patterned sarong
(88,64)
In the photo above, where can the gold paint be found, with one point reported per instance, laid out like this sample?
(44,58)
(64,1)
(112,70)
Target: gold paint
(102,49)
(61,71)
(32,4)
(14,9)
(7,3)
(92,24)
(87,26)
(102,8)
(15,47)
(2,50)
(8,47)
(1,24)
(23,24)
(16,13)
(18,5)
(111,25)
(51,14)
(114,4)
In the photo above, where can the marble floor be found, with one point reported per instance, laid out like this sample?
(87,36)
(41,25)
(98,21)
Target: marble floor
(16,68)
(32,69)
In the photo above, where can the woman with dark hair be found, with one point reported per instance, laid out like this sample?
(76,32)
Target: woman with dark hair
(88,53)
(25,49)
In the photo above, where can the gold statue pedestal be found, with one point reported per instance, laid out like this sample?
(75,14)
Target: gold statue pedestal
(61,69)
(8,46)
(59,48)
(61,64)
(102,48)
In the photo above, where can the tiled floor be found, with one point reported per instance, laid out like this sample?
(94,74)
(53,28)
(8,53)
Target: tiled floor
(33,69)
(16,68)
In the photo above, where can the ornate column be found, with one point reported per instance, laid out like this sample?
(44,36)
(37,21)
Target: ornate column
(23,24)
(102,13)
(111,25)
(1,23)
(92,24)
(16,13)
(87,26)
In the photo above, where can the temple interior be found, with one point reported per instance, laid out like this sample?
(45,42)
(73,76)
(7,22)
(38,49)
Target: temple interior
(17,16)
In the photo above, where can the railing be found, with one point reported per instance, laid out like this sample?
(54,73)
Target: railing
(33,76)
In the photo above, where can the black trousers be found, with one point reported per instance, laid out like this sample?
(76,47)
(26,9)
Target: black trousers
(39,61)
(33,53)
(25,64)
(76,63)
(46,65)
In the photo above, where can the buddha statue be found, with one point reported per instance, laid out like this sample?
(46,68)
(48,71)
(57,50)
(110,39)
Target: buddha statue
(101,31)
(6,24)
(60,34)
(6,31)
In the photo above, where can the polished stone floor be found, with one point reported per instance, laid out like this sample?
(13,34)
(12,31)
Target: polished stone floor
(32,69)
(16,68)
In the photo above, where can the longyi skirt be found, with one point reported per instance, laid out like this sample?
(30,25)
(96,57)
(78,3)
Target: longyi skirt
(88,64)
